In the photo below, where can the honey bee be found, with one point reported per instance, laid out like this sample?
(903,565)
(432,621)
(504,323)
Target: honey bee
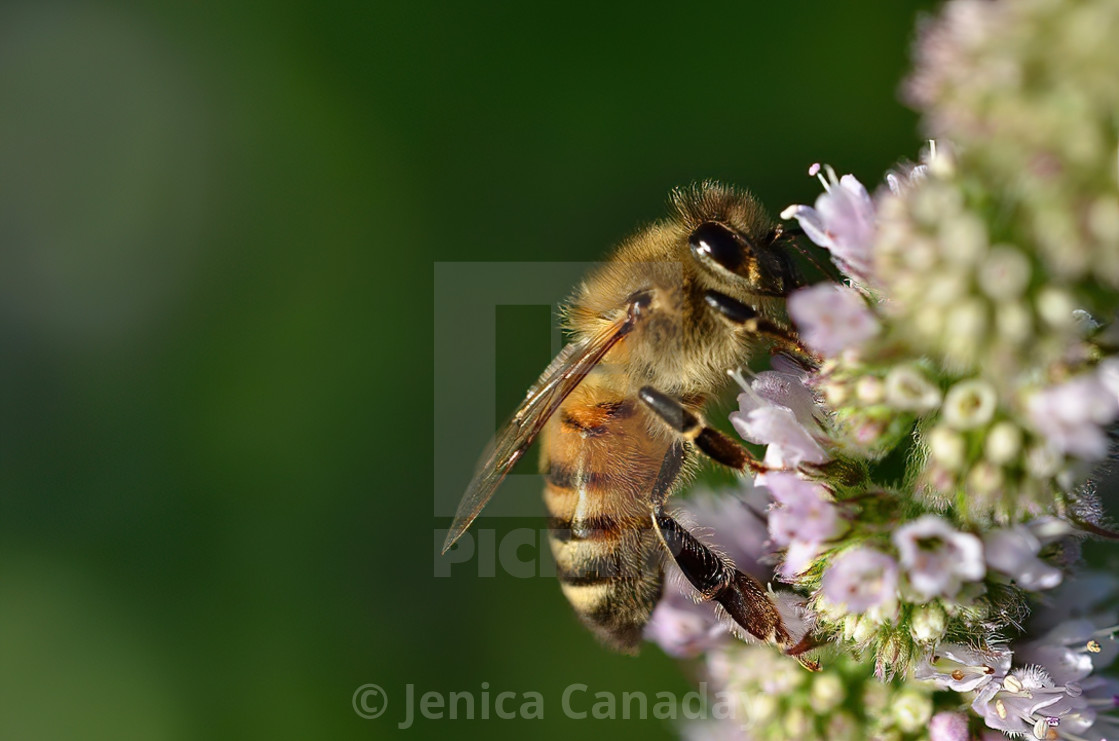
(619,411)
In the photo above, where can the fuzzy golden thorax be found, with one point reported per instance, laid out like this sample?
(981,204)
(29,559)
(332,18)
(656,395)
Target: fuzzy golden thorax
(681,346)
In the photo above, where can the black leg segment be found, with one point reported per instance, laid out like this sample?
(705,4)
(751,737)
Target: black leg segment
(742,315)
(742,596)
(713,443)
(732,310)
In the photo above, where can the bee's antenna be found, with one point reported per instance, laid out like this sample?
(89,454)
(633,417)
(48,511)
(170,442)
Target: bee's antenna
(789,237)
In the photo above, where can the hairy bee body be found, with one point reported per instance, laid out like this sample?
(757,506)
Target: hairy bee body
(684,348)
(602,450)
(654,331)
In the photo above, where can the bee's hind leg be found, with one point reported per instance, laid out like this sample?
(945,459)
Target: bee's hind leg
(714,444)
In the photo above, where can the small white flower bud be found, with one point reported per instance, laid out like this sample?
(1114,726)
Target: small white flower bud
(985,478)
(944,288)
(836,394)
(928,321)
(947,448)
(797,723)
(826,693)
(940,160)
(939,478)
(761,707)
(849,624)
(867,430)
(928,624)
(919,254)
(891,650)
(1103,219)
(880,615)
(876,697)
(1056,230)
(908,389)
(1004,273)
(963,239)
(1043,461)
(929,204)
(843,727)
(1013,322)
(1004,443)
(965,328)
(1056,307)
(870,390)
(969,404)
(859,629)
(912,710)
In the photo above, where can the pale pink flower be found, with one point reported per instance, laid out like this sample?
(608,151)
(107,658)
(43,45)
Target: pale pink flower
(1071,415)
(1013,551)
(787,389)
(937,558)
(948,726)
(1071,651)
(798,557)
(963,668)
(1025,702)
(790,441)
(842,222)
(832,318)
(861,578)
(803,510)
(683,628)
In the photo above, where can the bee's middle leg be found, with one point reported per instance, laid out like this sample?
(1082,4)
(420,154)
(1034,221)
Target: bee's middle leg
(714,444)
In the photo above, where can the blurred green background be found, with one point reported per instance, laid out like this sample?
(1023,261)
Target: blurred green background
(219,224)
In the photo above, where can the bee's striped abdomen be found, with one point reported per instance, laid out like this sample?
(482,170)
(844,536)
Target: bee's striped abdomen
(599,464)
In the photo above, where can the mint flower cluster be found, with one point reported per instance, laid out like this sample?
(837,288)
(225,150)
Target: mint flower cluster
(931,478)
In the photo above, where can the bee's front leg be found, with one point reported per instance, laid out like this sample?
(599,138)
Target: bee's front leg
(717,446)
(746,318)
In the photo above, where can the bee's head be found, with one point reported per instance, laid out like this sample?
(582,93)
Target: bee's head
(709,277)
(733,241)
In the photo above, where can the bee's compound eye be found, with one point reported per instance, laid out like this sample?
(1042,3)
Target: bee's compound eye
(712,241)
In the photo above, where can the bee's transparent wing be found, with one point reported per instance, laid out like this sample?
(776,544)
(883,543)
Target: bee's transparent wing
(562,375)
